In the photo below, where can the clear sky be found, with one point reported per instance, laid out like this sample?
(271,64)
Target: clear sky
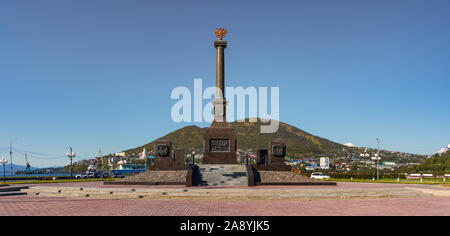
(98,74)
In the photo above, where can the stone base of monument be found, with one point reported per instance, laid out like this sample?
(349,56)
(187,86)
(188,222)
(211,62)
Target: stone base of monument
(278,175)
(168,167)
(288,178)
(219,146)
(273,167)
(154,177)
(272,170)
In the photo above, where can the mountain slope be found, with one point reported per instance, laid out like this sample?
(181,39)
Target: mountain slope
(298,142)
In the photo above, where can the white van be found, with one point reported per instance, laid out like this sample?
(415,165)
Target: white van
(318,175)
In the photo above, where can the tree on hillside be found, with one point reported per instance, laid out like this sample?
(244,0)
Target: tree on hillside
(436,163)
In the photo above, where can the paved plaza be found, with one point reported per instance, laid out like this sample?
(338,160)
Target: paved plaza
(422,205)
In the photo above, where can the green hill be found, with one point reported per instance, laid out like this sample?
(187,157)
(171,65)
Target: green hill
(435,163)
(298,142)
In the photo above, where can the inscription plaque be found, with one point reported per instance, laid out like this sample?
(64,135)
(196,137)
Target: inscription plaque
(220,145)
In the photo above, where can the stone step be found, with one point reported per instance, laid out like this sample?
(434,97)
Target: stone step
(221,175)
(12,188)
(12,191)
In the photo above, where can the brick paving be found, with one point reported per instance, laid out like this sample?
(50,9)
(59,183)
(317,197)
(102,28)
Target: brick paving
(41,206)
(340,185)
(35,206)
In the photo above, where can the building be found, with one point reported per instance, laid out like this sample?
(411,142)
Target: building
(325,163)
(295,162)
(390,163)
(120,154)
(385,167)
(121,164)
(311,167)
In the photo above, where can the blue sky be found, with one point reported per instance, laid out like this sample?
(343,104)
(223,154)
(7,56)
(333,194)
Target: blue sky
(98,74)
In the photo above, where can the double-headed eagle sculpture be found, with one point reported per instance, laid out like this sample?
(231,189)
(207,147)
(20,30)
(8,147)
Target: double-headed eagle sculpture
(220,32)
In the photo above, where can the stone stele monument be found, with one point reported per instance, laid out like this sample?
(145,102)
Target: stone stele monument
(219,141)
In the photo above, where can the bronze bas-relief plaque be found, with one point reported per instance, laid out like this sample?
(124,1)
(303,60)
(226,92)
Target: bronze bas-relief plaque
(219,145)
(162,150)
(278,150)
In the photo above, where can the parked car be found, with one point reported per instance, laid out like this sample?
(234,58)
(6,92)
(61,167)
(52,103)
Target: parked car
(98,174)
(318,175)
(105,175)
(90,175)
(118,176)
(81,176)
(102,175)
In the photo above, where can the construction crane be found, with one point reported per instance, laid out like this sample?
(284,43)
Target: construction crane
(28,169)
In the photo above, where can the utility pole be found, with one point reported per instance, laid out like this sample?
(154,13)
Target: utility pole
(71,155)
(101,158)
(11,155)
(378,159)
(113,163)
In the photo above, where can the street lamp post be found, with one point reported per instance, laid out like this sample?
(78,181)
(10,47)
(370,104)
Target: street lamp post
(378,159)
(193,157)
(144,153)
(152,154)
(4,161)
(145,163)
(11,154)
(71,155)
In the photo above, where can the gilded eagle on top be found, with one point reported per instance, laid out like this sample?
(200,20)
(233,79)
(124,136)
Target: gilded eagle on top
(220,32)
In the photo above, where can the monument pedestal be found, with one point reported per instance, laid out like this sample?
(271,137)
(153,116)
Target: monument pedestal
(272,159)
(167,158)
(179,158)
(163,151)
(219,145)
(277,152)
